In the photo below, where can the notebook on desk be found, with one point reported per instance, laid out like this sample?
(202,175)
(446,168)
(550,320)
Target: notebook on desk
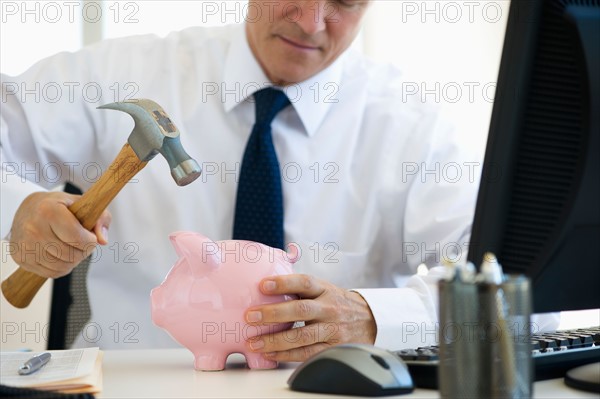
(68,371)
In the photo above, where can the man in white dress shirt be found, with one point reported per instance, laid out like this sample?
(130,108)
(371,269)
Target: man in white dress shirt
(363,194)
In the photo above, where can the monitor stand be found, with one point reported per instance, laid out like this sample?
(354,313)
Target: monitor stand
(584,378)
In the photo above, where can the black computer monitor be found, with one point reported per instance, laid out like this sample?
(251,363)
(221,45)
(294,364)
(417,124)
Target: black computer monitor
(538,205)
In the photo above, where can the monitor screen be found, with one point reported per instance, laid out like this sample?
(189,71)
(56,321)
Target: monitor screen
(538,205)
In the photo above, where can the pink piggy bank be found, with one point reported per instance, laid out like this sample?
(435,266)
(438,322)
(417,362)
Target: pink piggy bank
(201,302)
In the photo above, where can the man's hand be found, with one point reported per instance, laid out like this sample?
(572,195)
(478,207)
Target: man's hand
(47,239)
(332,316)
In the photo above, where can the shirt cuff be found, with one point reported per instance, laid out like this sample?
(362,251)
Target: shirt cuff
(403,319)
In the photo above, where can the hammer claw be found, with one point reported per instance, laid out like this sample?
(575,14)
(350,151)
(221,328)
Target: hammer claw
(154,133)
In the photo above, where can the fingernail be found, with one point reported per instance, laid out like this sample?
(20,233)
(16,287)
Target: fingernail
(255,345)
(254,316)
(105,233)
(269,285)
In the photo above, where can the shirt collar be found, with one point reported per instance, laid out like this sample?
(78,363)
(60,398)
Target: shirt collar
(311,99)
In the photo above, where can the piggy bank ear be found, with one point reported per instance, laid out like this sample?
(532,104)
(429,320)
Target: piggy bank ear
(293,252)
(199,251)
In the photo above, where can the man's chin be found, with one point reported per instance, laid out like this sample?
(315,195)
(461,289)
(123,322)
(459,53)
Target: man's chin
(293,75)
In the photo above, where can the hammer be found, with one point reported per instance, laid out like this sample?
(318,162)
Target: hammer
(153,133)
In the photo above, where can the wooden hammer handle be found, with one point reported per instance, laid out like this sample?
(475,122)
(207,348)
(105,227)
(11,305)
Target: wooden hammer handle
(21,286)
(94,201)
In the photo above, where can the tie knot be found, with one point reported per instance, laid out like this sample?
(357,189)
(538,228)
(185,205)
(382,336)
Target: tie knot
(269,102)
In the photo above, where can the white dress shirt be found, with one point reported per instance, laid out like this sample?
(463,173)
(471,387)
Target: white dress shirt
(373,183)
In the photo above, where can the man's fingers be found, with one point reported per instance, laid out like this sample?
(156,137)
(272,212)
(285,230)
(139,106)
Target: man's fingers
(289,311)
(42,269)
(295,338)
(101,227)
(297,354)
(300,284)
(47,238)
(53,252)
(51,259)
(67,229)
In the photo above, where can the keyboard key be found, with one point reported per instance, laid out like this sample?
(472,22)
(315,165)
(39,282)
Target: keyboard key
(574,341)
(547,344)
(408,354)
(427,354)
(559,340)
(586,339)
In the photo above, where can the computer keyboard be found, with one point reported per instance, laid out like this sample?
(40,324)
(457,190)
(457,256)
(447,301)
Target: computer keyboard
(553,354)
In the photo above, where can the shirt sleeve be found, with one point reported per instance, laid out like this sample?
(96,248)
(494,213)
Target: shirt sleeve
(408,317)
(14,190)
(18,176)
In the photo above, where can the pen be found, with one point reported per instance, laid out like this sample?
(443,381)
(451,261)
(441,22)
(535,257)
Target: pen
(467,272)
(491,269)
(35,363)
(492,274)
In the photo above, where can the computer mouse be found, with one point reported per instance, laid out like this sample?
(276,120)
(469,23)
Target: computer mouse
(353,369)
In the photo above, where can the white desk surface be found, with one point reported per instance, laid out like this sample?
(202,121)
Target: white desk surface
(169,373)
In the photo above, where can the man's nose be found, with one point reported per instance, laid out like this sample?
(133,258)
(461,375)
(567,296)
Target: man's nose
(311,15)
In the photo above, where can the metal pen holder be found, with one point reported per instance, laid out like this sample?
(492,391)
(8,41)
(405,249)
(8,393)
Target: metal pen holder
(485,348)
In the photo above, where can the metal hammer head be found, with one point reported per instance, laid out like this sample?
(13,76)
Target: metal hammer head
(154,132)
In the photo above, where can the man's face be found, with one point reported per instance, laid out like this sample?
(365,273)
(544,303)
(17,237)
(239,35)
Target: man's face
(296,39)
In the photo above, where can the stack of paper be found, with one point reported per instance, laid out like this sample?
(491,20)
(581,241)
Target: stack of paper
(69,371)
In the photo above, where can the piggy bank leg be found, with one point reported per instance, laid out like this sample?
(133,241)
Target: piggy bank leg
(257,361)
(210,361)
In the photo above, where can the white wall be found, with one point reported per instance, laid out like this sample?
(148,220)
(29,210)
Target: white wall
(449,52)
(31,30)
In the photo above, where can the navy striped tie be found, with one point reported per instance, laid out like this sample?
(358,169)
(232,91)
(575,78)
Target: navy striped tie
(259,203)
